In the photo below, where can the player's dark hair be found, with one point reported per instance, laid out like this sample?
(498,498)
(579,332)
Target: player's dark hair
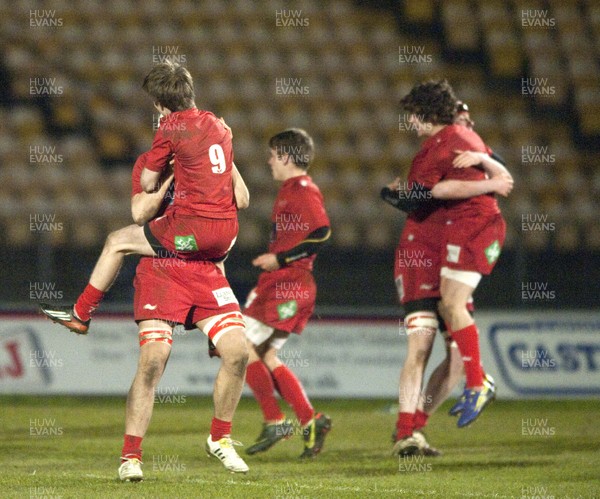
(432,102)
(295,143)
(170,85)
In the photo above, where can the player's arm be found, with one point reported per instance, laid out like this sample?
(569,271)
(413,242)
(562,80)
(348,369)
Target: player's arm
(490,164)
(408,201)
(240,191)
(149,180)
(155,161)
(310,245)
(463,189)
(144,205)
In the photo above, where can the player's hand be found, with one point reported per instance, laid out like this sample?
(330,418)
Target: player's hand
(395,185)
(465,159)
(170,166)
(502,184)
(164,185)
(266,261)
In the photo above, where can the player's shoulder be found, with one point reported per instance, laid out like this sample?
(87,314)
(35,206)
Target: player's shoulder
(206,115)
(305,184)
(462,135)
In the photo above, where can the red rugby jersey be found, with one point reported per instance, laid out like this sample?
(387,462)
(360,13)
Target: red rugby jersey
(436,165)
(202,148)
(298,210)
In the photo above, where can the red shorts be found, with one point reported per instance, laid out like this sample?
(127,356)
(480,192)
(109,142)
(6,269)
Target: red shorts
(180,291)
(474,243)
(192,237)
(417,261)
(283,299)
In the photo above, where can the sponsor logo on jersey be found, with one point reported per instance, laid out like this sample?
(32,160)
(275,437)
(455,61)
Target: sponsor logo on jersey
(186,243)
(287,310)
(453,253)
(147,306)
(224,296)
(492,252)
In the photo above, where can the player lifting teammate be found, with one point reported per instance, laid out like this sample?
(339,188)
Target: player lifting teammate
(201,223)
(300,227)
(170,291)
(418,286)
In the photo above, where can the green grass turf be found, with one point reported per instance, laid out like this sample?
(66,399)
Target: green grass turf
(493,458)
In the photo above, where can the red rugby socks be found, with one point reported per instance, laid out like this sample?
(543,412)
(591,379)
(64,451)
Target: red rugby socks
(87,302)
(467,340)
(420,419)
(219,429)
(261,383)
(405,424)
(292,392)
(132,447)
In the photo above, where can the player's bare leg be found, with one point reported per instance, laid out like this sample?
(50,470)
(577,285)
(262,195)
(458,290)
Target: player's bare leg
(126,241)
(140,399)
(443,380)
(453,308)
(230,378)
(453,305)
(154,354)
(227,392)
(421,328)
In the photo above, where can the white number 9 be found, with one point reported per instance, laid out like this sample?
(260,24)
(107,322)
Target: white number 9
(217,158)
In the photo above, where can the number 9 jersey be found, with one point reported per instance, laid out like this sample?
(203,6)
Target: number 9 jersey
(201,145)
(201,221)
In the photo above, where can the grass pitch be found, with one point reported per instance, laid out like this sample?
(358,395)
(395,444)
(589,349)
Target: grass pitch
(69,447)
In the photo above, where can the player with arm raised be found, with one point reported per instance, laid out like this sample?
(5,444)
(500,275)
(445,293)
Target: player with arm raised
(201,223)
(170,291)
(284,297)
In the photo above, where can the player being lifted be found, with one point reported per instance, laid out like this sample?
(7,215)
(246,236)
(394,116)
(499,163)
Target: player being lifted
(169,291)
(201,223)
(300,227)
(418,286)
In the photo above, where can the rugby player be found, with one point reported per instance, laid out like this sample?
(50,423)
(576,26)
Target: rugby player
(171,291)
(284,297)
(418,288)
(201,223)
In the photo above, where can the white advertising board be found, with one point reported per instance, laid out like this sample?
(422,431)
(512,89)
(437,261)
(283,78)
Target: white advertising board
(531,355)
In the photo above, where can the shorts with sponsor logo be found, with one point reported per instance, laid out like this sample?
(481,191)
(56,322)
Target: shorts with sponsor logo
(283,299)
(180,291)
(192,237)
(417,261)
(474,243)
